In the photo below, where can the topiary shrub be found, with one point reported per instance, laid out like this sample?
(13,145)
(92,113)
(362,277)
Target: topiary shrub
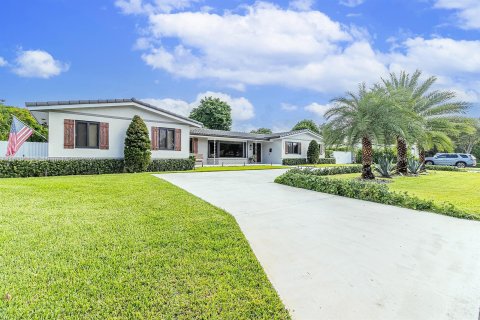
(137,146)
(294,162)
(313,152)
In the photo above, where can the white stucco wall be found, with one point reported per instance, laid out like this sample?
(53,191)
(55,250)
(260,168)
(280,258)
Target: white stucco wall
(119,119)
(305,140)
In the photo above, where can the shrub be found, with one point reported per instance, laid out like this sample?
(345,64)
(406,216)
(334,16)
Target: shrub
(43,168)
(294,162)
(328,171)
(313,152)
(385,166)
(326,161)
(414,166)
(368,191)
(137,146)
(443,168)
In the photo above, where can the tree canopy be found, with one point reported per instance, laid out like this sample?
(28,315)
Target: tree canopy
(262,131)
(6,113)
(213,113)
(306,124)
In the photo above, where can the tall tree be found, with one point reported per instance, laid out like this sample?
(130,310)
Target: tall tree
(262,131)
(213,113)
(467,140)
(306,124)
(435,108)
(364,117)
(6,114)
(137,146)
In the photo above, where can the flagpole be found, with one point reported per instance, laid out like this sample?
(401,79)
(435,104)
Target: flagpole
(30,128)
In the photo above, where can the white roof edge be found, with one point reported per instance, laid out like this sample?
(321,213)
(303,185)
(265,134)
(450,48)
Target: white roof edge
(296,134)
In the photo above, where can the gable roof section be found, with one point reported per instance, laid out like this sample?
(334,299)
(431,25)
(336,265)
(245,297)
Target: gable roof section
(248,136)
(52,105)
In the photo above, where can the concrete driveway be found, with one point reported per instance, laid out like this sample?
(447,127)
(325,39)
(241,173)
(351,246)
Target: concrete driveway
(337,258)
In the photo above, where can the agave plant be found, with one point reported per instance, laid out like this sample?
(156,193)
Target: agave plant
(385,167)
(414,166)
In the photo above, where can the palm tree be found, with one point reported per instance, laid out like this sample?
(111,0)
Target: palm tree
(437,111)
(364,117)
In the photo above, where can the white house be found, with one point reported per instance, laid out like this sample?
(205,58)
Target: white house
(97,128)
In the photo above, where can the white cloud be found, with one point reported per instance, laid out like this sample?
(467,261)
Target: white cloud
(351,3)
(289,107)
(3,62)
(38,64)
(301,5)
(242,108)
(468,11)
(318,109)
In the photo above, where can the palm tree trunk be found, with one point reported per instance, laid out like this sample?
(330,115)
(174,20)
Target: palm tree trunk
(401,155)
(421,156)
(367,156)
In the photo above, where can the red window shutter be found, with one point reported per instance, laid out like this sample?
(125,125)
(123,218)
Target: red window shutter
(178,139)
(286,147)
(195,145)
(68,134)
(104,140)
(154,138)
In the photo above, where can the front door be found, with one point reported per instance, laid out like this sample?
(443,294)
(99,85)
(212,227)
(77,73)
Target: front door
(258,150)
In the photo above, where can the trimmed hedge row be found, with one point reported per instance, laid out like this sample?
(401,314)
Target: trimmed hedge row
(442,168)
(294,162)
(43,168)
(300,161)
(367,191)
(326,161)
(328,171)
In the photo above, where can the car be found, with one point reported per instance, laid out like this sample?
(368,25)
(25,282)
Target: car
(460,160)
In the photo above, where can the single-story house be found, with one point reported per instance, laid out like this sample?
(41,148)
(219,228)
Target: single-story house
(97,128)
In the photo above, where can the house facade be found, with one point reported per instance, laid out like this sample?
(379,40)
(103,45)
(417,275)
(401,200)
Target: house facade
(97,129)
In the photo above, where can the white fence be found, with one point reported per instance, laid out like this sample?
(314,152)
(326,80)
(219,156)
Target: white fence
(343,157)
(29,150)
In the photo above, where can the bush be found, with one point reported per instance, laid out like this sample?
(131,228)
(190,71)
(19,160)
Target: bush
(137,146)
(368,191)
(294,162)
(43,168)
(313,152)
(443,168)
(328,171)
(414,166)
(326,161)
(378,154)
(171,165)
(385,167)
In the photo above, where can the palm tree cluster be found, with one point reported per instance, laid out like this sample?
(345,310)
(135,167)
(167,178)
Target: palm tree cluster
(401,109)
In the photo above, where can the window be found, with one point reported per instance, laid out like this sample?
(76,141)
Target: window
(293,147)
(452,156)
(86,134)
(226,149)
(441,156)
(464,156)
(166,139)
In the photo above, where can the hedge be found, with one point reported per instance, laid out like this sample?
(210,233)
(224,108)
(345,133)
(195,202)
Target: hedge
(294,162)
(43,168)
(368,191)
(443,168)
(328,171)
(326,161)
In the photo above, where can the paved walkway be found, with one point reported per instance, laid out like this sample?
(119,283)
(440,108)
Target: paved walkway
(337,258)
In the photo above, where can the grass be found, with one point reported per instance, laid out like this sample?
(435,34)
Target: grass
(124,246)
(458,188)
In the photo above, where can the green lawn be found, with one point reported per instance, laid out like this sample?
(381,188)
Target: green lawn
(461,189)
(124,246)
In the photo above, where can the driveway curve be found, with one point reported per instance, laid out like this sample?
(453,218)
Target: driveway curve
(331,257)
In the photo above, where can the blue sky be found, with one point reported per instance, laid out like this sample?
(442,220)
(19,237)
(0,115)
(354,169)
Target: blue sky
(275,62)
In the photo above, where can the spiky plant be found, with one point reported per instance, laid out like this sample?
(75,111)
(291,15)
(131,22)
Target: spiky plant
(385,167)
(414,166)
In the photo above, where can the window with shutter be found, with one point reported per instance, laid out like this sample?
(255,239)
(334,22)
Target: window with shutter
(68,134)
(154,138)
(178,140)
(104,139)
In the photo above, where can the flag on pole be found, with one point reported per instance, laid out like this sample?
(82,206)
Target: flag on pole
(19,133)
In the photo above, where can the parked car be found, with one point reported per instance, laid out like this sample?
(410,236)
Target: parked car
(460,160)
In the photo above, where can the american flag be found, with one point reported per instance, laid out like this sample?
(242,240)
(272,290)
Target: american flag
(19,133)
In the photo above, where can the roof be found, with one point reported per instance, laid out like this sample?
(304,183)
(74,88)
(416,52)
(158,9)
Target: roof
(107,101)
(244,135)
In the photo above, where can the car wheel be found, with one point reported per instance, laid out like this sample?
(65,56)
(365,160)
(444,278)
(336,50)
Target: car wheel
(429,163)
(461,164)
